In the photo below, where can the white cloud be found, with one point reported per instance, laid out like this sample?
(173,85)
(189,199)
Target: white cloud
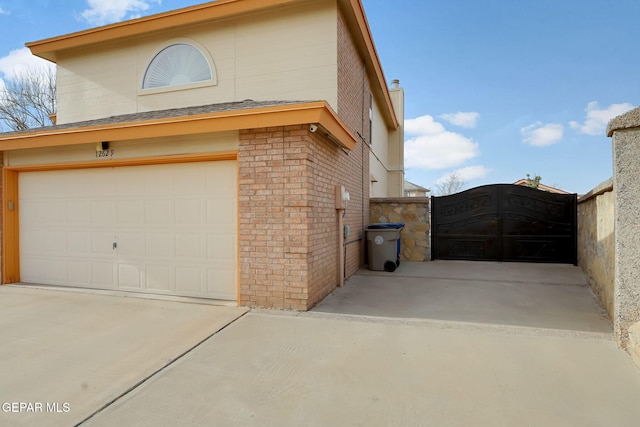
(20,61)
(541,135)
(597,118)
(465,120)
(466,174)
(434,147)
(103,12)
(3,12)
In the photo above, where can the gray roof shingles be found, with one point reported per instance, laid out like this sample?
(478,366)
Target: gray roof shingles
(161,114)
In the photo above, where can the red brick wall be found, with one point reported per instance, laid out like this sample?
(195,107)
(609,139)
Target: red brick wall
(289,251)
(288,219)
(353,108)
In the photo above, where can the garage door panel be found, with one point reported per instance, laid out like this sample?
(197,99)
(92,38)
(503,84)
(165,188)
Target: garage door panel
(159,245)
(43,242)
(78,243)
(55,213)
(221,211)
(160,212)
(174,226)
(128,182)
(31,212)
(130,244)
(215,251)
(102,275)
(102,243)
(159,278)
(189,280)
(195,179)
(78,212)
(56,270)
(103,212)
(221,181)
(216,280)
(130,276)
(79,273)
(188,246)
(188,212)
(33,270)
(130,212)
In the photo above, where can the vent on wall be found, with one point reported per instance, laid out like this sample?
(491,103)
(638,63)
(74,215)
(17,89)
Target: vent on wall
(175,65)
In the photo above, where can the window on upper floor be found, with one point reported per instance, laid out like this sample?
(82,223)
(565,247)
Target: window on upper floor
(176,65)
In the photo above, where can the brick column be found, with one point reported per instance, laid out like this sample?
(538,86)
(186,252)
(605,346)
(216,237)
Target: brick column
(274,218)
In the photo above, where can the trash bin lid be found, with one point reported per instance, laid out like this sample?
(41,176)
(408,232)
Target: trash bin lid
(386,225)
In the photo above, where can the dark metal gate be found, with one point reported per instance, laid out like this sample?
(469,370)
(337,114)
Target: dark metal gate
(505,222)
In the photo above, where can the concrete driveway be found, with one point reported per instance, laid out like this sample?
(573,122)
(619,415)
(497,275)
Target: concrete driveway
(67,354)
(552,296)
(356,361)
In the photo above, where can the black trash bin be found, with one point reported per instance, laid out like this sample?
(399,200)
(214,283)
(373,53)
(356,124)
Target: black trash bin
(383,245)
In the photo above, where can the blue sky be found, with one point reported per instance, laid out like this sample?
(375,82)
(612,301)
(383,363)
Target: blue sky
(494,90)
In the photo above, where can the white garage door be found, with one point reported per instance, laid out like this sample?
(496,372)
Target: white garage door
(165,229)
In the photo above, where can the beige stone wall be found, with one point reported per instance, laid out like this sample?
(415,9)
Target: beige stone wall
(625,133)
(596,237)
(414,213)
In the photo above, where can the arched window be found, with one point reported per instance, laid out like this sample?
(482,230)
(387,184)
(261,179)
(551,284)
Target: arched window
(178,64)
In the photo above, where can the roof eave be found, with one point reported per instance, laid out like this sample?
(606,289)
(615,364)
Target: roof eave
(372,60)
(48,48)
(282,115)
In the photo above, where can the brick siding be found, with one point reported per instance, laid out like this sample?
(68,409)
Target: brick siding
(288,220)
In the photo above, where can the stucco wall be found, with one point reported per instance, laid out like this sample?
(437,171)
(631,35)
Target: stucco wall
(129,149)
(414,213)
(625,133)
(284,54)
(596,251)
(626,149)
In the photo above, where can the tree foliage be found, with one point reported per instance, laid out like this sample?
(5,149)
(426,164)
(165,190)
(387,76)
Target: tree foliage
(533,182)
(28,100)
(452,184)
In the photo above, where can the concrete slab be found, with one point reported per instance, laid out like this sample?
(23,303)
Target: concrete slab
(516,272)
(68,354)
(272,370)
(551,296)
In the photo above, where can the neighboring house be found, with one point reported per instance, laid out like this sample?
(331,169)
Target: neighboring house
(198,153)
(525,182)
(414,190)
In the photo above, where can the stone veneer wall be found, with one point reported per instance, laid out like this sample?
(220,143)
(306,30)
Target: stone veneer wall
(414,213)
(625,133)
(596,251)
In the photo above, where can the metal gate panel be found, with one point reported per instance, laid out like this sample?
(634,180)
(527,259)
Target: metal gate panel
(465,225)
(505,222)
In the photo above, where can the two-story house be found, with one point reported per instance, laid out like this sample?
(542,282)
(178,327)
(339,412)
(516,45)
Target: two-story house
(202,152)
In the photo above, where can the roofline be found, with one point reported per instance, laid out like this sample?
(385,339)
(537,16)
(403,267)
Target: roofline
(372,59)
(523,182)
(48,48)
(282,115)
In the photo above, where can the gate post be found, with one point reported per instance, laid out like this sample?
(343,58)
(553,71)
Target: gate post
(625,131)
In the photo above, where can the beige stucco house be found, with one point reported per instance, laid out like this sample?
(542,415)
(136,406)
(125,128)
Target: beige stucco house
(206,152)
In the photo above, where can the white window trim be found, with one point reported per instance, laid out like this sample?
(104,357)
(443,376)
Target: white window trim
(150,91)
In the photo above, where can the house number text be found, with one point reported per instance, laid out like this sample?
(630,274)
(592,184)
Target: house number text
(105,153)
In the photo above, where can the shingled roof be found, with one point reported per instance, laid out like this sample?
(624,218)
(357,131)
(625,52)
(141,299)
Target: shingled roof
(247,104)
